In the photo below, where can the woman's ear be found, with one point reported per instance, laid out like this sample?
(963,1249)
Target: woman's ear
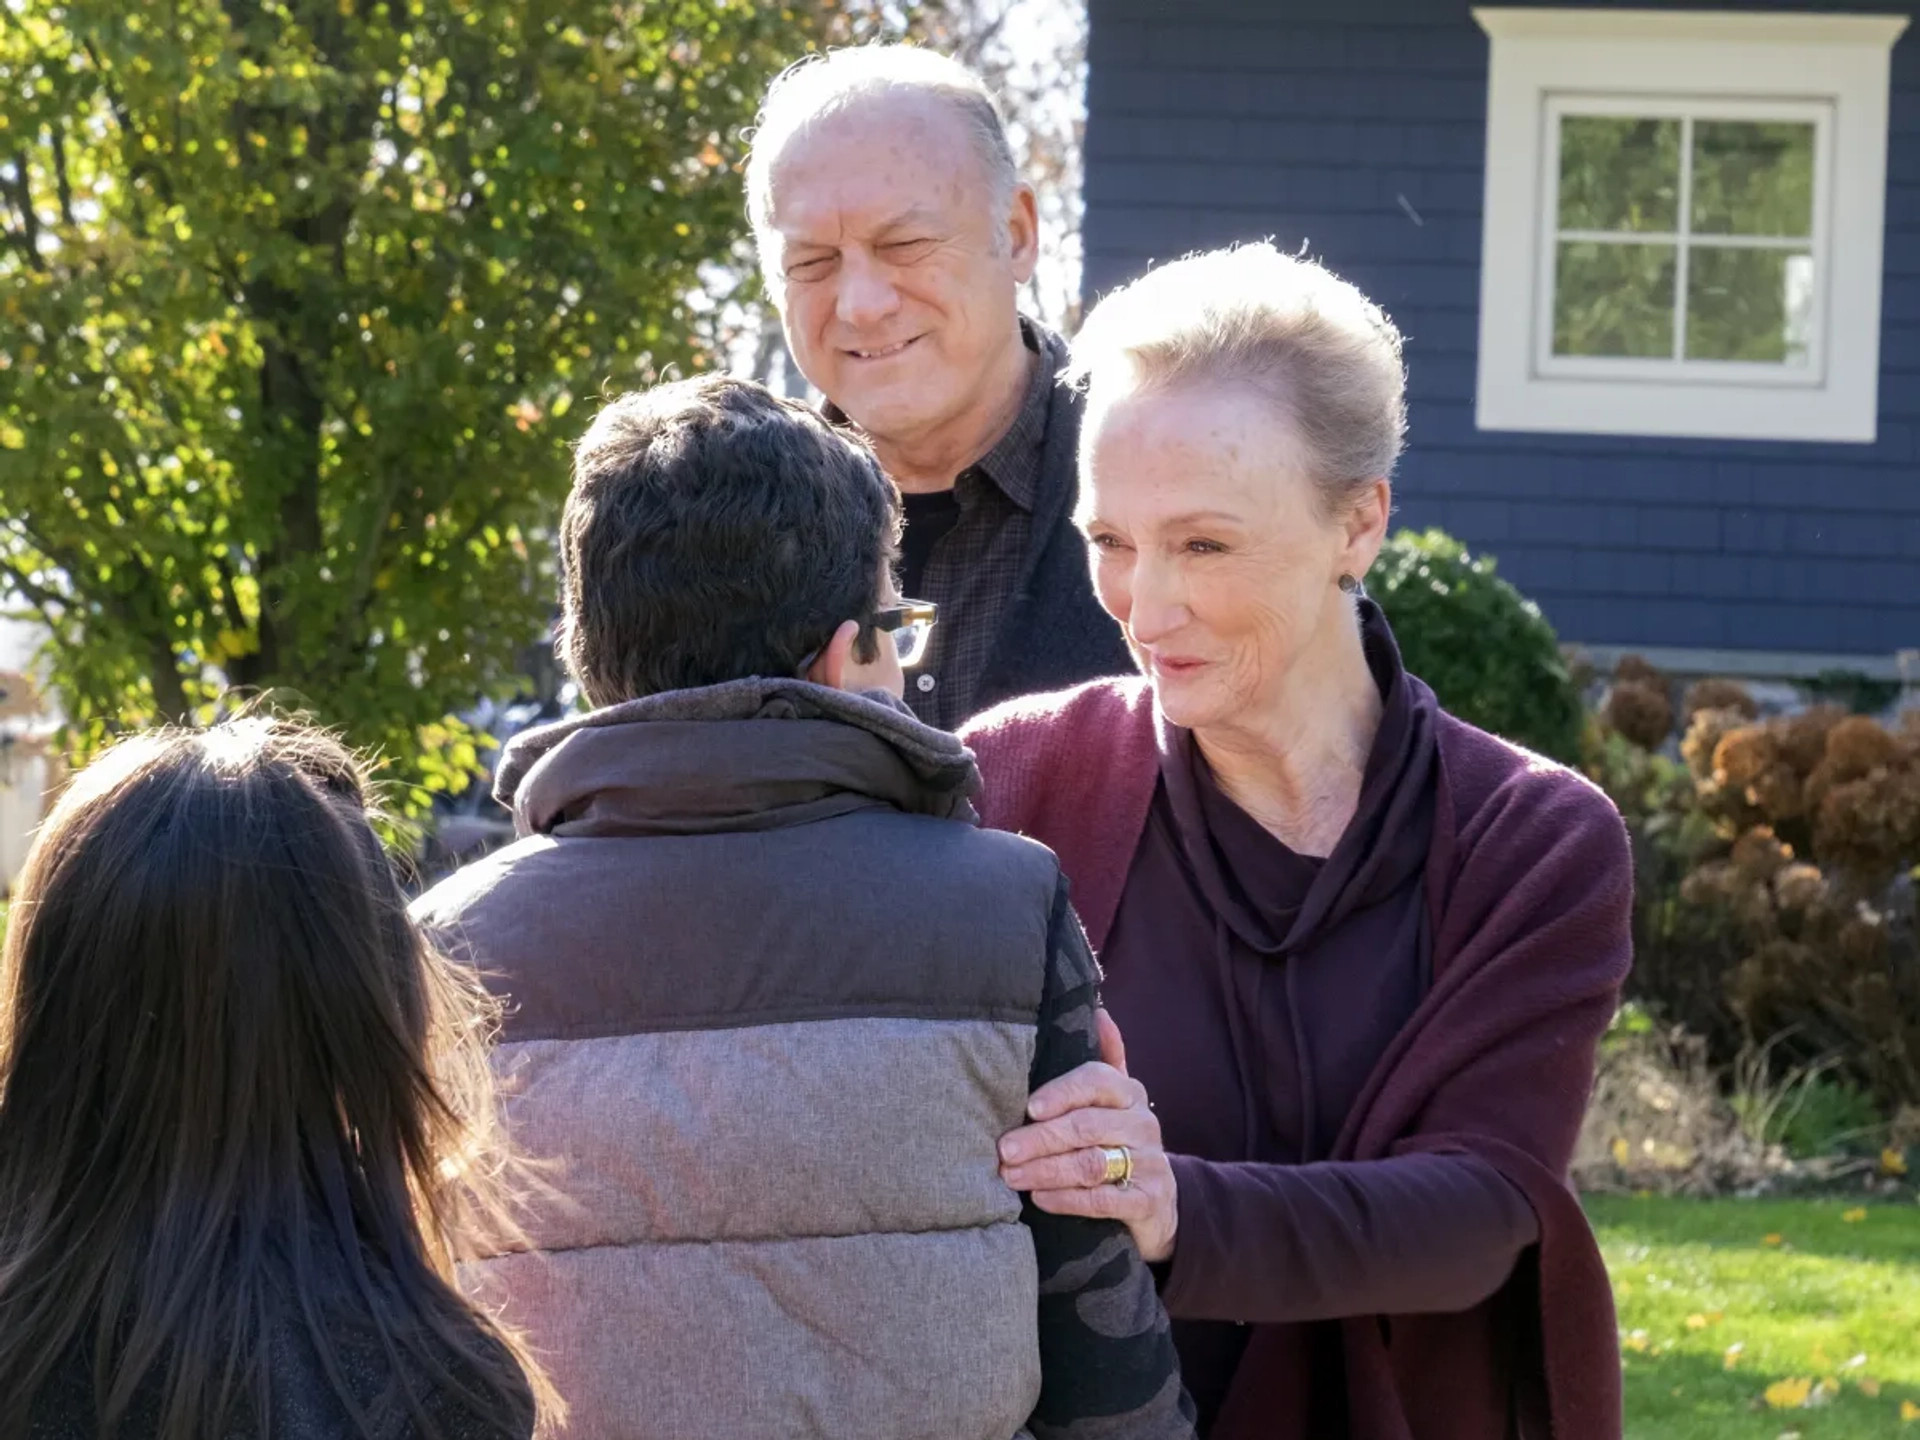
(1366,528)
(830,666)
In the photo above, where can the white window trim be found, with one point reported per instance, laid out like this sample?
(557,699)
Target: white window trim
(1696,60)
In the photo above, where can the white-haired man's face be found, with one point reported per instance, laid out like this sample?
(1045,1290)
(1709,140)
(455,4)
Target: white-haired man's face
(896,280)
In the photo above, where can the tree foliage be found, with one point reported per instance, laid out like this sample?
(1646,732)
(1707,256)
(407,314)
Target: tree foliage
(302,301)
(1033,53)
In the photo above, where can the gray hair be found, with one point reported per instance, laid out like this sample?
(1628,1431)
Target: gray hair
(1286,327)
(821,86)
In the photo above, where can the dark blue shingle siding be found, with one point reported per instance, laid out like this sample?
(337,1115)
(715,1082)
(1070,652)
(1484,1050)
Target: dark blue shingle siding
(1358,128)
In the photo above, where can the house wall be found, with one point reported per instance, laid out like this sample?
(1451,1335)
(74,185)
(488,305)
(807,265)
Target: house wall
(24,774)
(1357,128)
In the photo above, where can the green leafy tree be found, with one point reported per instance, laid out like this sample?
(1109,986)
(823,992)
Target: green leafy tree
(301,303)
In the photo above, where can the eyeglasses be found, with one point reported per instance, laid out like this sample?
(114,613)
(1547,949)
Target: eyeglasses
(911,625)
(911,622)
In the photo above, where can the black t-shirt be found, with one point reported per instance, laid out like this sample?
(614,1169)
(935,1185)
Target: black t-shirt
(928,518)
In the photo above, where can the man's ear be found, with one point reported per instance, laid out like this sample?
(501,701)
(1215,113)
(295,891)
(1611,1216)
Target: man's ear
(830,666)
(1023,233)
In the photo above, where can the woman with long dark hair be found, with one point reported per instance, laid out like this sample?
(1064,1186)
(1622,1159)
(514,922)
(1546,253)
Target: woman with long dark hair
(245,1118)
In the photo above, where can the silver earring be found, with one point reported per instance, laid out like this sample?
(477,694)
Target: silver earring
(1349,585)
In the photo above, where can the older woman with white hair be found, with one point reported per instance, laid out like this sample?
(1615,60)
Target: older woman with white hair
(1361,952)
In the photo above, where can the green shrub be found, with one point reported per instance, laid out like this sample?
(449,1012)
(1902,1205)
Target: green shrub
(1861,694)
(1486,649)
(1813,1117)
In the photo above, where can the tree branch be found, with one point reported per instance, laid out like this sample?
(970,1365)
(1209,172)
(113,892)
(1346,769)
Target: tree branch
(27,249)
(36,594)
(38,613)
(373,541)
(52,553)
(136,167)
(27,238)
(169,690)
(229,596)
(62,185)
(488,515)
(116,603)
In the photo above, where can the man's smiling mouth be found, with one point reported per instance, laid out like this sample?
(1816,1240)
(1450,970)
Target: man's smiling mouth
(883,353)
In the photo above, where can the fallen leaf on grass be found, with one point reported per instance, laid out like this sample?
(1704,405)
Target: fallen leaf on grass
(1869,1387)
(1788,1394)
(1909,1411)
(1855,1215)
(1733,1354)
(1636,1342)
(1774,1239)
(1697,1322)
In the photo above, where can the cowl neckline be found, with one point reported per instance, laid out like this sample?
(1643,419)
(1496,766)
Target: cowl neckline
(1273,899)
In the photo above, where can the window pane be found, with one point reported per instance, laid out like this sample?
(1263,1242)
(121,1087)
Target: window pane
(1619,173)
(1613,300)
(1749,305)
(1752,179)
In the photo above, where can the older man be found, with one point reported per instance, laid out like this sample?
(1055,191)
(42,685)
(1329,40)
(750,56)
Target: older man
(895,235)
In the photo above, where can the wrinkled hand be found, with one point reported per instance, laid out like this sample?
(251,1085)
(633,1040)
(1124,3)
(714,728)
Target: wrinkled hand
(1058,1157)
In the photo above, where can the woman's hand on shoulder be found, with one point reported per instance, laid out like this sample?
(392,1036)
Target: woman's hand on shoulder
(1061,1157)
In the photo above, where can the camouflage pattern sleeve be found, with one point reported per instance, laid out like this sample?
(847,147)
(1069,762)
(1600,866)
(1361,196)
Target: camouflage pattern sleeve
(1107,1363)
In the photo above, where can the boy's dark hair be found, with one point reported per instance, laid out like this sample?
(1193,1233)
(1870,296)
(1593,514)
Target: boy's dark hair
(716,531)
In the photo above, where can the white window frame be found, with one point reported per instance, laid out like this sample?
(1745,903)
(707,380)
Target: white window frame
(1831,68)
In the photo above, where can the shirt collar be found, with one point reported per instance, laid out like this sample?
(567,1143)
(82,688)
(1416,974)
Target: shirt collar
(1013,463)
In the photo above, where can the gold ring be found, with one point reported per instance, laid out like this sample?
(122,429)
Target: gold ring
(1119,1165)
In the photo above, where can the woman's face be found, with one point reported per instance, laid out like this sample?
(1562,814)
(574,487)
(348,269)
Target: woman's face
(1210,547)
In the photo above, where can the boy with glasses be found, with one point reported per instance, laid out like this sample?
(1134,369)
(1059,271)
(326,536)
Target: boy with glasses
(770,1092)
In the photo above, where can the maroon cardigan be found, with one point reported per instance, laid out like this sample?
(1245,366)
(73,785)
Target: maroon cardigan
(1529,886)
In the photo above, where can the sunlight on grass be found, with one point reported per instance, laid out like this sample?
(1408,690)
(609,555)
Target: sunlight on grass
(1765,1318)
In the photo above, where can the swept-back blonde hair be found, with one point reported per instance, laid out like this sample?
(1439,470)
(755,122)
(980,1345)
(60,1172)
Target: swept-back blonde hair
(1284,327)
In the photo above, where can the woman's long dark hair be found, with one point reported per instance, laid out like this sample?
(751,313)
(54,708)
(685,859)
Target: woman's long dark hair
(238,1094)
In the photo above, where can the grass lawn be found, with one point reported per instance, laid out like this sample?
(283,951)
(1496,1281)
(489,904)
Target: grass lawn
(1735,1314)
